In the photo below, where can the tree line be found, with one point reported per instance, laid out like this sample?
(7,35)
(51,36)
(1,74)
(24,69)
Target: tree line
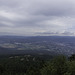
(31,65)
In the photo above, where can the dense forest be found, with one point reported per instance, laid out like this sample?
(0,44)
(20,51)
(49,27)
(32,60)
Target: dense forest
(37,65)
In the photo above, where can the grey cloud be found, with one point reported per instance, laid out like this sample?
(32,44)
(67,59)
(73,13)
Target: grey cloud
(4,22)
(43,15)
(41,7)
(68,33)
(56,33)
(53,8)
(9,3)
(7,33)
(48,33)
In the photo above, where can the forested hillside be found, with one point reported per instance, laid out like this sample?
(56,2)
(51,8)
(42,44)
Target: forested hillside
(37,65)
(41,55)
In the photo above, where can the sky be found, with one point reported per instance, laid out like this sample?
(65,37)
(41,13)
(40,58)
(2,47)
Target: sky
(37,17)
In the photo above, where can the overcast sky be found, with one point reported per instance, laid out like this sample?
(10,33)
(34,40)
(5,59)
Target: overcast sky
(37,17)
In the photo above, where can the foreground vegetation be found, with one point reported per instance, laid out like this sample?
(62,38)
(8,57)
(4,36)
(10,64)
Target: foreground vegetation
(37,65)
